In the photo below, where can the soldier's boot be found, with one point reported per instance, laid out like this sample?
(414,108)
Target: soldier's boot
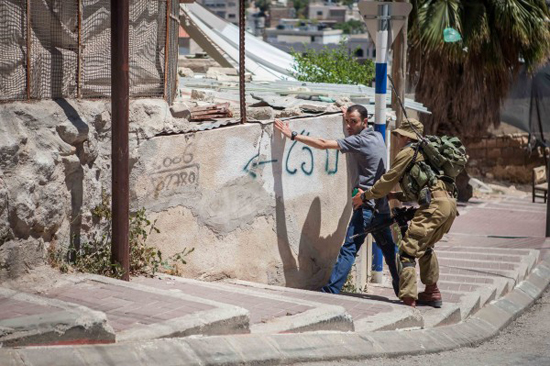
(431,296)
(409,301)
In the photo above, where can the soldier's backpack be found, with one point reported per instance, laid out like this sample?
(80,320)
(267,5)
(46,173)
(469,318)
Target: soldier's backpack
(446,155)
(444,158)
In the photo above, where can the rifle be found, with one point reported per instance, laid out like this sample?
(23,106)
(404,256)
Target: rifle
(400,216)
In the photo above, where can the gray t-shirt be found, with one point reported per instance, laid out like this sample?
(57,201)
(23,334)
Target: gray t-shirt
(368,152)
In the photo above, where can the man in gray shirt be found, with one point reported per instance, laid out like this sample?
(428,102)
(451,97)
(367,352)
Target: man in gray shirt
(368,151)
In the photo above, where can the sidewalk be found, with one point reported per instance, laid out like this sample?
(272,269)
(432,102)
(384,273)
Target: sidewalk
(491,265)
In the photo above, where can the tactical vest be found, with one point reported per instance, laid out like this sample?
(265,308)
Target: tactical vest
(418,175)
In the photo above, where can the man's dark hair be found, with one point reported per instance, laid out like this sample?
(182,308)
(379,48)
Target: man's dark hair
(359,109)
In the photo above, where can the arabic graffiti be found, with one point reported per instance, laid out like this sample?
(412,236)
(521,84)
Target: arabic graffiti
(306,166)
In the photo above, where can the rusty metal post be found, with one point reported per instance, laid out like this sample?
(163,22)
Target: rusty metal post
(242,70)
(79,52)
(120,88)
(29,45)
(166,46)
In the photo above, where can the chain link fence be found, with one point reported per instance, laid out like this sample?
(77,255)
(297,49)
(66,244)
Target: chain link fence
(62,49)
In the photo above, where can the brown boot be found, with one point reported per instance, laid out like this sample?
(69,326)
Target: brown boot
(409,301)
(431,296)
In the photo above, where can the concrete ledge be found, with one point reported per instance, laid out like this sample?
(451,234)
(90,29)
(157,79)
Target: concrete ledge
(407,318)
(223,319)
(66,324)
(321,318)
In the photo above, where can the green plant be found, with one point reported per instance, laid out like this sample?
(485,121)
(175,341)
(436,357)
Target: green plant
(334,66)
(349,285)
(94,256)
(352,26)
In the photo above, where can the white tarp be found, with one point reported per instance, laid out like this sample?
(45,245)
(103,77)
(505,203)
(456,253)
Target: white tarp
(225,36)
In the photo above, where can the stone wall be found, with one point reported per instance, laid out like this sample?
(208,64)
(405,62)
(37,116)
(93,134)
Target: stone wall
(503,157)
(253,206)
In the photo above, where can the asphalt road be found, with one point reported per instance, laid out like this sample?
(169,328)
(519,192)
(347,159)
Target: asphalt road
(526,342)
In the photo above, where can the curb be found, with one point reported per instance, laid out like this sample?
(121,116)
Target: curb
(250,349)
(67,324)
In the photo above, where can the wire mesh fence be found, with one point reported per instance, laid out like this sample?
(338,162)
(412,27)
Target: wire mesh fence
(62,48)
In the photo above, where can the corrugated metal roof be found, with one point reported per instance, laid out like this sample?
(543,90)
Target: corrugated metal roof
(359,94)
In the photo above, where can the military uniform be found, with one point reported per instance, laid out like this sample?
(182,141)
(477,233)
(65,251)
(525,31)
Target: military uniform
(430,222)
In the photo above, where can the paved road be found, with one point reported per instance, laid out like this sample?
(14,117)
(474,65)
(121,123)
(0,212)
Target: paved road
(526,342)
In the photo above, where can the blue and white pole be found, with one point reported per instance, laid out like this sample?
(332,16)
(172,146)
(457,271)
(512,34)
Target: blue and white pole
(381,77)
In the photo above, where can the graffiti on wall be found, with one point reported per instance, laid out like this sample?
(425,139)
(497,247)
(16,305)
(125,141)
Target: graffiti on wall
(305,164)
(176,171)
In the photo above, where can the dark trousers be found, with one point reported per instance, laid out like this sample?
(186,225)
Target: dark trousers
(361,220)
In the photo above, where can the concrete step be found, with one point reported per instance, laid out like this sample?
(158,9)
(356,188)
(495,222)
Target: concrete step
(31,320)
(369,312)
(138,312)
(448,314)
(487,292)
(269,312)
(502,284)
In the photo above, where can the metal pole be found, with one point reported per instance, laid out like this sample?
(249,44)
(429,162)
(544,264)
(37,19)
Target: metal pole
(399,73)
(29,47)
(119,141)
(547,158)
(242,69)
(380,108)
(166,46)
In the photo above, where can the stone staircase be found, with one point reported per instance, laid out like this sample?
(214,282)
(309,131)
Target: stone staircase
(93,309)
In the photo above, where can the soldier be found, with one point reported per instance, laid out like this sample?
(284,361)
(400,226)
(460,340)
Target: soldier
(434,217)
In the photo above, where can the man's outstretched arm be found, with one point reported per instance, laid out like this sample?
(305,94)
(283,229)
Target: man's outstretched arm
(318,143)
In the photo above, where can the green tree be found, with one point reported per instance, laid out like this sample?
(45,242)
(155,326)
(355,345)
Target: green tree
(352,26)
(463,83)
(263,5)
(335,66)
(300,7)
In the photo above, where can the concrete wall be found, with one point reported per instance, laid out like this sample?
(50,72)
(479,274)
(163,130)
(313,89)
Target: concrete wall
(253,206)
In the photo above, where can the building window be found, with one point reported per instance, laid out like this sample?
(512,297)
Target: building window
(231,16)
(359,53)
(319,13)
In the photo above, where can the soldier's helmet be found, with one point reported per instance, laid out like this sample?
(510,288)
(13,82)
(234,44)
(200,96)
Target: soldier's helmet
(409,127)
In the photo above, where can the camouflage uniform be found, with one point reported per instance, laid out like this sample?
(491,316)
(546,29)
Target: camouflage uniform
(429,224)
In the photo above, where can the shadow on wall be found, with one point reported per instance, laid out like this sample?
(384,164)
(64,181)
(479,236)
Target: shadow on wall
(74,173)
(316,256)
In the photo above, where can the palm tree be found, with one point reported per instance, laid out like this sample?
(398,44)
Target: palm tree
(463,83)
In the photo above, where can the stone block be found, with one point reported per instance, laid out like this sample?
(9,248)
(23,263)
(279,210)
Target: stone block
(260,113)
(494,316)
(180,110)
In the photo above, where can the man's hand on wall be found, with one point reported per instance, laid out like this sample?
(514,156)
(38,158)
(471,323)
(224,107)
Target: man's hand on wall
(283,127)
(356,200)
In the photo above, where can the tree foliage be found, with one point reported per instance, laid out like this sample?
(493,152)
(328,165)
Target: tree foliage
(335,66)
(463,83)
(300,7)
(352,26)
